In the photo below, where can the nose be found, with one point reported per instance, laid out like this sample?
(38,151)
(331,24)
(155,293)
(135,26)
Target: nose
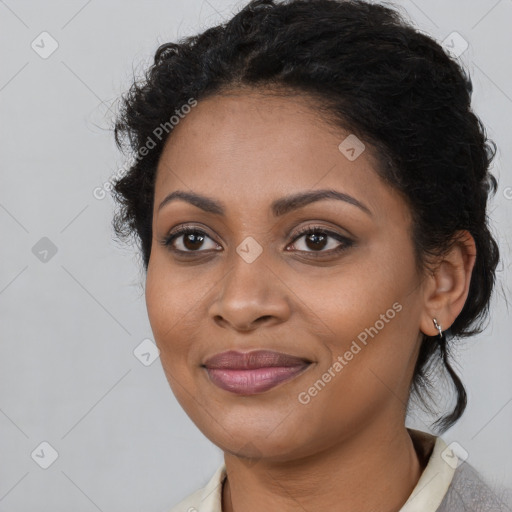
(250,295)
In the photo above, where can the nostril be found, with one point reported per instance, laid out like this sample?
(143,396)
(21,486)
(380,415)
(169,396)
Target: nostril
(263,318)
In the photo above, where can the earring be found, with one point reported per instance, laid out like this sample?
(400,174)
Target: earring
(438,327)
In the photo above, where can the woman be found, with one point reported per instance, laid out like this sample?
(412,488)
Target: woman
(309,196)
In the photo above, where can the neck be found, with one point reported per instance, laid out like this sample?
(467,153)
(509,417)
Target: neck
(376,469)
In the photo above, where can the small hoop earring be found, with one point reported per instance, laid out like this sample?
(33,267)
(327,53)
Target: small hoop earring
(438,327)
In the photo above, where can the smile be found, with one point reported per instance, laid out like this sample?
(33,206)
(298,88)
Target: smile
(253,372)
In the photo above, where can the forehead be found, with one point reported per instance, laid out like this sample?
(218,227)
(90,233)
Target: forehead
(237,125)
(249,147)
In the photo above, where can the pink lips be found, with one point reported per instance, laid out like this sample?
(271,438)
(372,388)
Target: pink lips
(253,372)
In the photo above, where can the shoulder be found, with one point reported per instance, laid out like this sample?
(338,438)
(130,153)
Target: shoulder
(449,484)
(470,491)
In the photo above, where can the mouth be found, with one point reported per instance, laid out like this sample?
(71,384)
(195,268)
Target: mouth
(249,373)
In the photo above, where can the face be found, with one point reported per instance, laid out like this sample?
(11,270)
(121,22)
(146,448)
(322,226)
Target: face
(329,280)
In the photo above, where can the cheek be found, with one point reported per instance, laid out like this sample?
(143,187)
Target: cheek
(354,298)
(175,306)
(167,308)
(172,298)
(167,316)
(371,312)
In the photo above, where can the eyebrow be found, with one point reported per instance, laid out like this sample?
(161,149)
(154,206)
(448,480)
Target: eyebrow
(279,207)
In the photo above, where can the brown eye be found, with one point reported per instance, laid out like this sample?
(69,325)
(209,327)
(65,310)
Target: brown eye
(186,239)
(316,239)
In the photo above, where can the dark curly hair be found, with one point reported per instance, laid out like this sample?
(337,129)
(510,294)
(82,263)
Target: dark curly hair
(372,74)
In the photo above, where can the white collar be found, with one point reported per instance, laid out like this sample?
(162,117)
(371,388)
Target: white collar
(433,484)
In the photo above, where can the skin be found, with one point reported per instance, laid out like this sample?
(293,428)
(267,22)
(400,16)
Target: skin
(245,150)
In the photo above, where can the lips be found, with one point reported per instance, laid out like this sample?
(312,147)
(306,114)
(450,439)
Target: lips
(234,360)
(253,372)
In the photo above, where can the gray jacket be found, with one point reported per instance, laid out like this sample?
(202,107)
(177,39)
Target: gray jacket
(469,492)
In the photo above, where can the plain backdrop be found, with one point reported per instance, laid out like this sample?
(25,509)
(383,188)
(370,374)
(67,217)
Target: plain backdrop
(72,308)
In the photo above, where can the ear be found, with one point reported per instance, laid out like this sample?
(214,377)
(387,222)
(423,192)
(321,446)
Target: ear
(446,288)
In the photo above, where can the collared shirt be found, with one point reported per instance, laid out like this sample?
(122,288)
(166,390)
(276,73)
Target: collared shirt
(447,484)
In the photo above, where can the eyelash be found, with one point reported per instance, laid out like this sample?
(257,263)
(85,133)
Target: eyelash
(309,230)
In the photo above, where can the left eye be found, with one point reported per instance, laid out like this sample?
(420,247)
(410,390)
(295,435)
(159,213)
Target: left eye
(317,239)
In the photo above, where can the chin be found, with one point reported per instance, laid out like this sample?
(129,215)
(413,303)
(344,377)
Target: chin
(251,439)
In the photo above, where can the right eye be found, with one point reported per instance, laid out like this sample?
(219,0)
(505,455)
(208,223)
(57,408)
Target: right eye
(187,240)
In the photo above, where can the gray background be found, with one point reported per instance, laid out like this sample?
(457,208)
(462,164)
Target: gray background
(70,321)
